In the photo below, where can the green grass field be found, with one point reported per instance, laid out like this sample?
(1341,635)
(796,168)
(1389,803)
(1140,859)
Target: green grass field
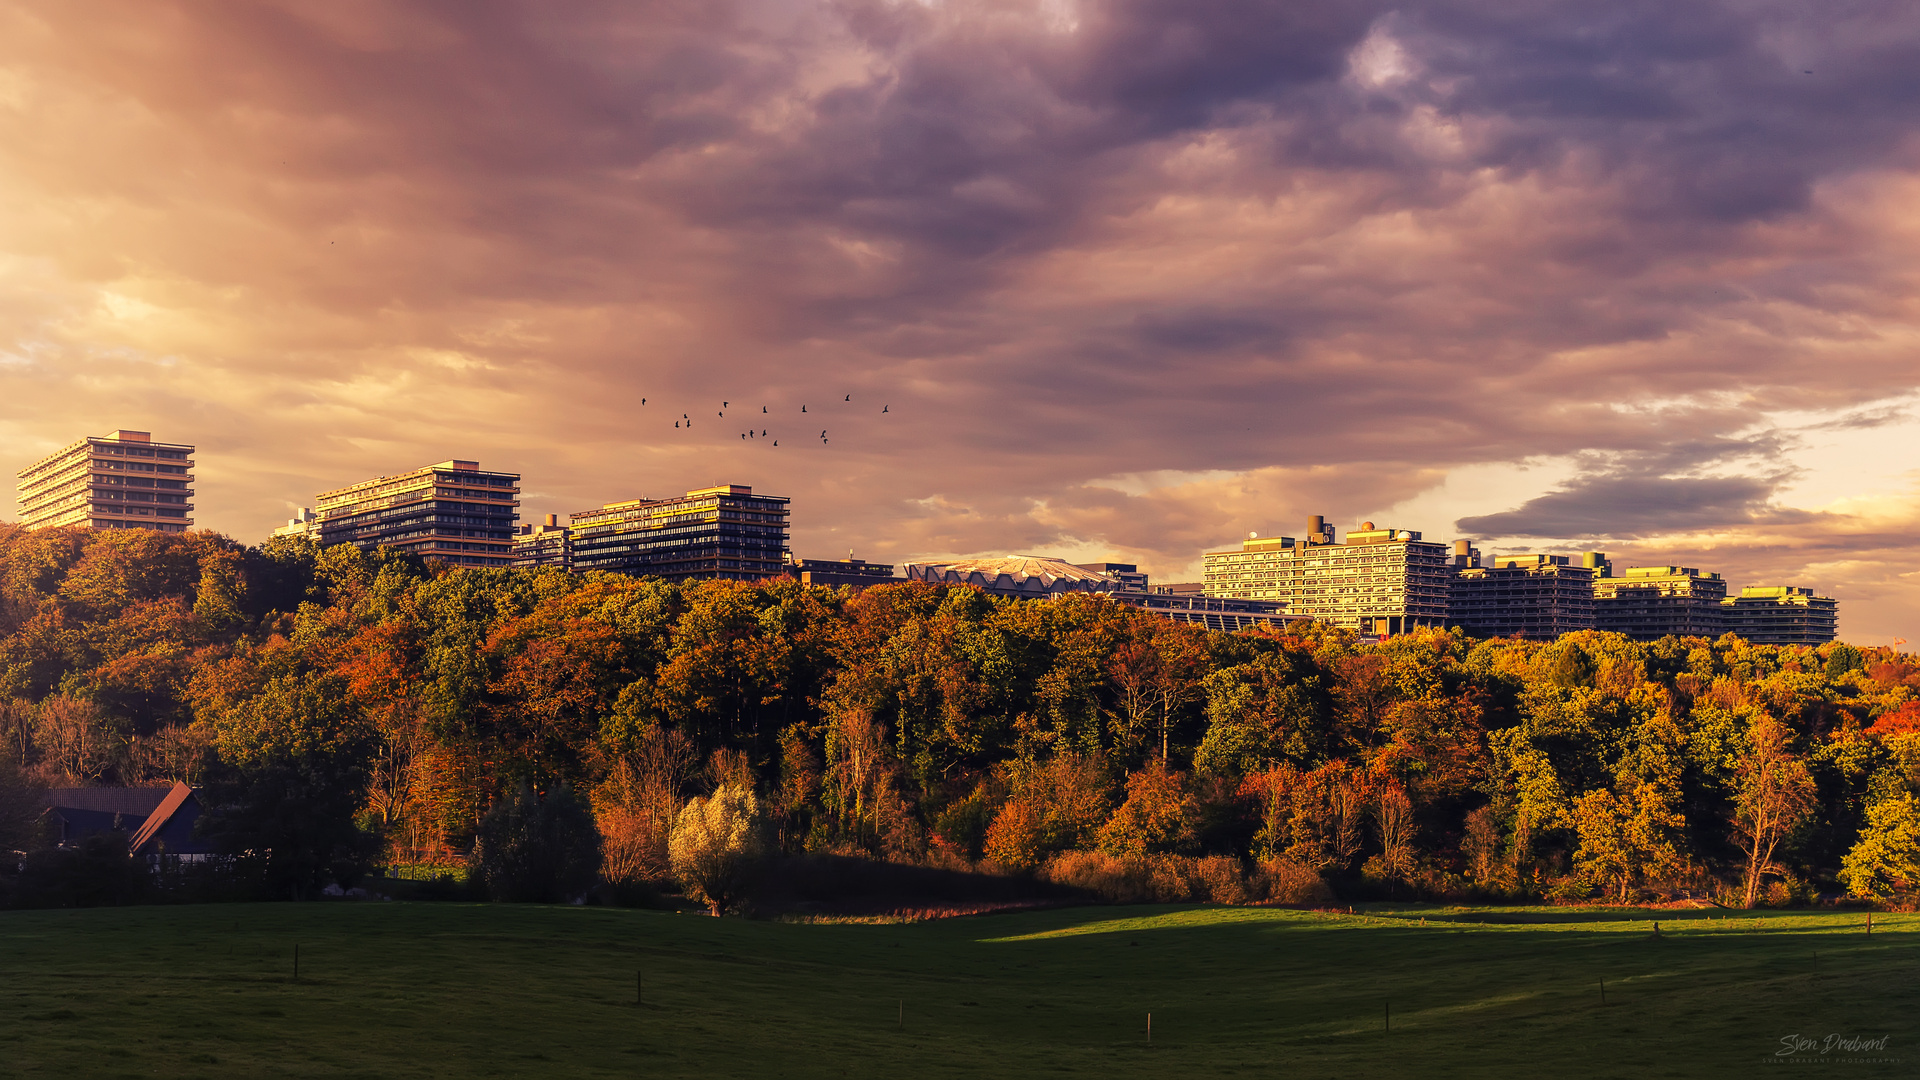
(476,990)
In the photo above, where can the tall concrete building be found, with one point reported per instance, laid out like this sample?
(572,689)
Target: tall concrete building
(1538,597)
(121,480)
(546,544)
(453,511)
(1650,602)
(1380,581)
(716,532)
(1781,615)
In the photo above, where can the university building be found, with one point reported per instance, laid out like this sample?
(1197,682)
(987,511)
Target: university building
(717,532)
(1647,603)
(1781,615)
(1538,597)
(546,544)
(304,523)
(1379,581)
(453,511)
(121,480)
(1036,577)
(858,573)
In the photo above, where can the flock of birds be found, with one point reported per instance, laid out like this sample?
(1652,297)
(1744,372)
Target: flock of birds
(686,421)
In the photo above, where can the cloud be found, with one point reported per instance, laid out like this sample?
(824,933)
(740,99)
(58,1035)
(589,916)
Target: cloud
(1318,255)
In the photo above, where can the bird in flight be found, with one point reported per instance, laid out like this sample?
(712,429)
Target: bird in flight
(883,408)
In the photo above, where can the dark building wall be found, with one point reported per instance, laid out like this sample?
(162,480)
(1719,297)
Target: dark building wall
(1538,603)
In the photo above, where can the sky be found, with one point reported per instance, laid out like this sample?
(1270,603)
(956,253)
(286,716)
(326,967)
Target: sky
(1129,280)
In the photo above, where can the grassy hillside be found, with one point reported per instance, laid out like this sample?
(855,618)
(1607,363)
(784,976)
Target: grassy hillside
(452,990)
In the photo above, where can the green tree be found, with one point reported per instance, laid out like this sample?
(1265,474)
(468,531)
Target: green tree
(715,843)
(533,850)
(1885,862)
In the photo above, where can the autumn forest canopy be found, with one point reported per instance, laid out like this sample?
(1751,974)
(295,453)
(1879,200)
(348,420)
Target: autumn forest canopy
(361,710)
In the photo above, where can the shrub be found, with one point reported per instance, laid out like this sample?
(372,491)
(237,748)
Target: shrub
(1283,881)
(97,872)
(715,844)
(1142,879)
(534,850)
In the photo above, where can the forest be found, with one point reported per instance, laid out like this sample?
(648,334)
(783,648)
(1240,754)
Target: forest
(351,712)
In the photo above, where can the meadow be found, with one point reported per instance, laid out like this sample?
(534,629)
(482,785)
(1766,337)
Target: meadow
(402,990)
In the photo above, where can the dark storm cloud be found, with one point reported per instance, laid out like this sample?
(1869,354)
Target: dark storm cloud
(1649,493)
(1631,507)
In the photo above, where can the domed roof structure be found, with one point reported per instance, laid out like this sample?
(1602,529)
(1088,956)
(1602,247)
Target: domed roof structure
(1016,575)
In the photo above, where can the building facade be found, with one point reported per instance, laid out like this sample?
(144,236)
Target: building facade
(1538,597)
(546,544)
(1212,612)
(1647,603)
(1781,615)
(1380,581)
(304,523)
(1030,577)
(121,480)
(453,511)
(857,573)
(1127,574)
(717,532)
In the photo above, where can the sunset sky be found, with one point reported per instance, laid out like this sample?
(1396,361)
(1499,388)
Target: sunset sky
(1131,279)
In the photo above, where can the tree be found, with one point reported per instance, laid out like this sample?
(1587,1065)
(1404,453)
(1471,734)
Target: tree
(1776,795)
(1393,821)
(1158,816)
(288,821)
(1885,862)
(531,850)
(1054,806)
(715,843)
(22,808)
(1626,837)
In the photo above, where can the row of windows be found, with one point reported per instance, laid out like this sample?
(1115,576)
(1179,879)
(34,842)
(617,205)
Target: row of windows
(139,466)
(156,526)
(140,481)
(143,511)
(127,450)
(138,496)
